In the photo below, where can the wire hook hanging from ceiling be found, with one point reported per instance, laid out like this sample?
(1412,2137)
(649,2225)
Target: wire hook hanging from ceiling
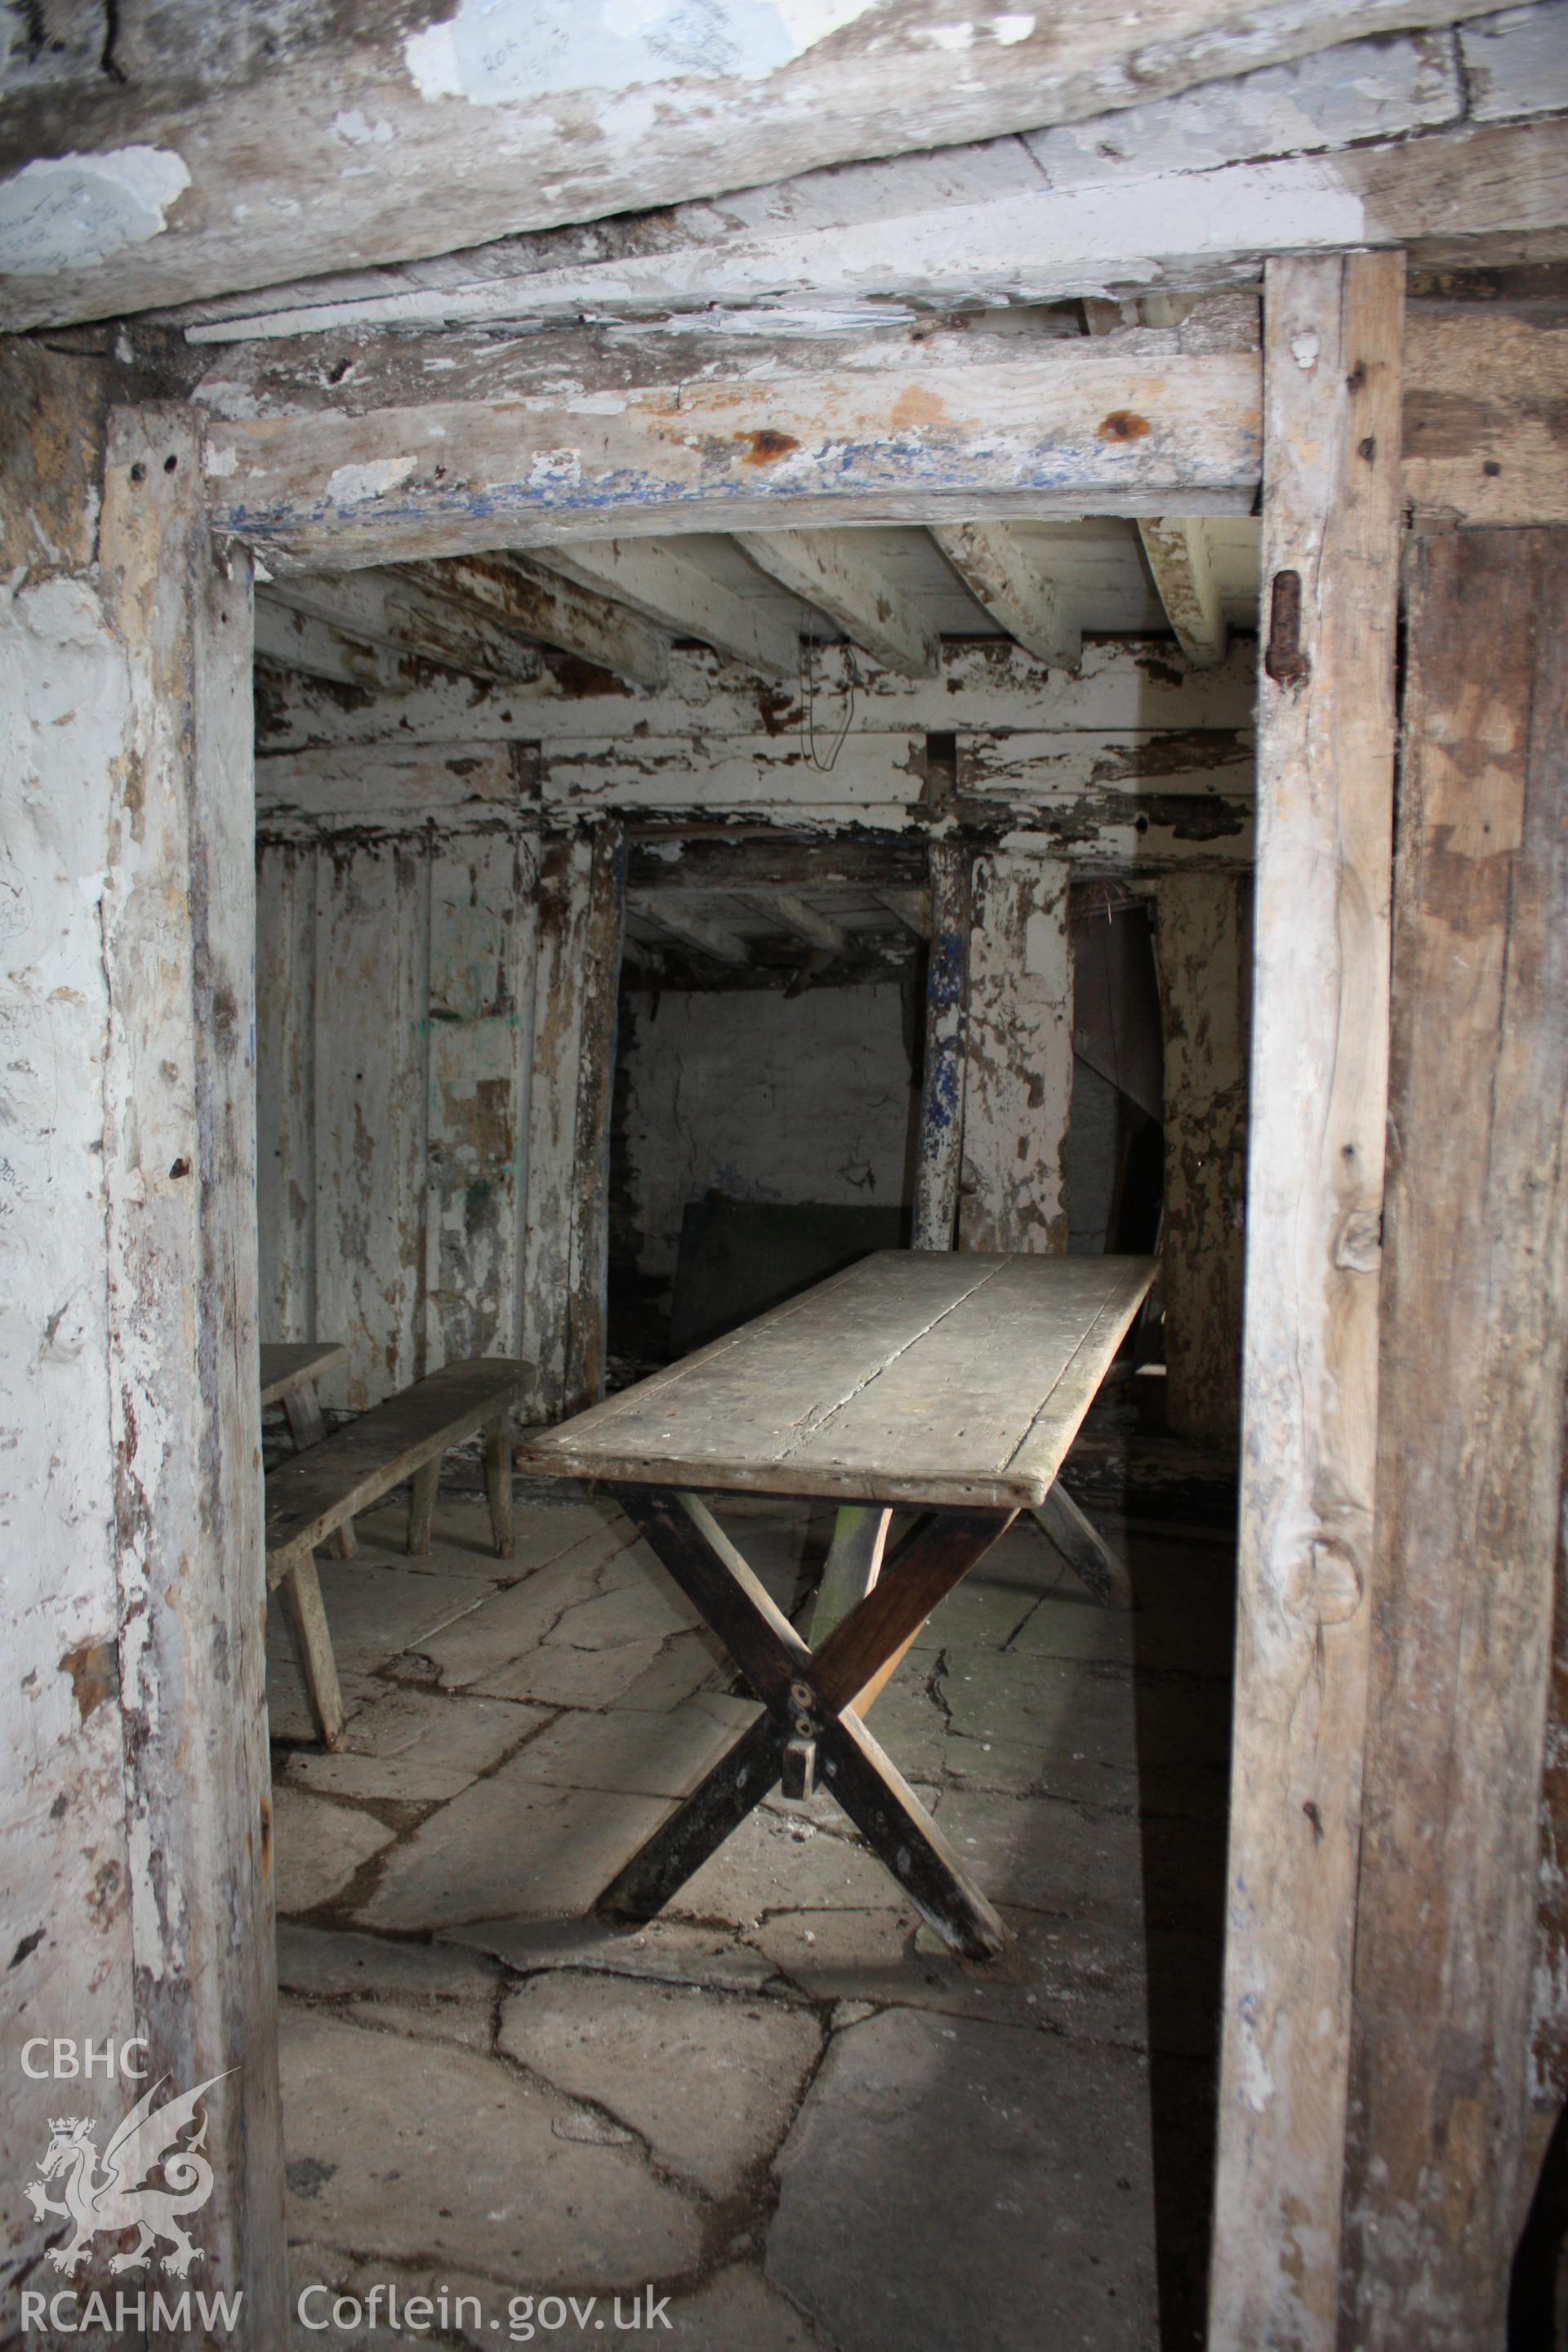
(808,706)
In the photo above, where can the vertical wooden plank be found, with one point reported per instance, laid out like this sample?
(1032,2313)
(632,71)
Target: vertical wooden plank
(1017,1094)
(1475,1348)
(941,1147)
(1204,947)
(285,1086)
(565,1238)
(478,885)
(1319,1046)
(179,1079)
(370,1098)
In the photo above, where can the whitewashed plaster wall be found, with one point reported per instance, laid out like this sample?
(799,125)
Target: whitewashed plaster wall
(756,1096)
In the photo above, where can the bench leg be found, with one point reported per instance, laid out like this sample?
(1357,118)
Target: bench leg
(422,1506)
(345,1543)
(498,1484)
(301,1593)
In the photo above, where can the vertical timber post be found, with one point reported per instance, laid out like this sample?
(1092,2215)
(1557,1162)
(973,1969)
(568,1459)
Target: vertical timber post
(1202,943)
(1017,1096)
(942,1085)
(582,896)
(137,1642)
(1332,344)
(1475,1347)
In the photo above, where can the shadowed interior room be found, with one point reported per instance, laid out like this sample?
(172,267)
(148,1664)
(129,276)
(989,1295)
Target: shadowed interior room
(785,899)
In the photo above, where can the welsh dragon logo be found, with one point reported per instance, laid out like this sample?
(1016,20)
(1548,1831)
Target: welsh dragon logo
(117,2198)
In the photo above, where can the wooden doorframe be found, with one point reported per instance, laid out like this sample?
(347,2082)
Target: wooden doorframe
(1330,380)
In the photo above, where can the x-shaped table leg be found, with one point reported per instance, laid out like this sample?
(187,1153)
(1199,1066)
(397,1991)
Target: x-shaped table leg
(811,1698)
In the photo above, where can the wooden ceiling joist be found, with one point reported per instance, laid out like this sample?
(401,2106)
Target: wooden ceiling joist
(773,861)
(785,912)
(666,587)
(694,929)
(408,616)
(827,569)
(1182,561)
(297,641)
(912,909)
(1006,577)
(559,613)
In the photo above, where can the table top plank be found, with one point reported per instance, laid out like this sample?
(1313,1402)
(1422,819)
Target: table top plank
(922,1376)
(290,1364)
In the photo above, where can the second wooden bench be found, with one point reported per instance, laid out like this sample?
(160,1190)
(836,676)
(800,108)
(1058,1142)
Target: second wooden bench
(315,1493)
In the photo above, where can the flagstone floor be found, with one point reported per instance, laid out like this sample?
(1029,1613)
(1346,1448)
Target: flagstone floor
(784,2107)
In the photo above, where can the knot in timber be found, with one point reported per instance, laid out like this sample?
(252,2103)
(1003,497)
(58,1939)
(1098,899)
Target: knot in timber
(1325,1586)
(1358,1245)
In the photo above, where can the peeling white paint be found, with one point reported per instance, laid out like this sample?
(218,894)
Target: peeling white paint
(61,212)
(351,484)
(499,52)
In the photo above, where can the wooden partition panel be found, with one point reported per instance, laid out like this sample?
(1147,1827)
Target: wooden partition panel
(1475,1344)
(1331,551)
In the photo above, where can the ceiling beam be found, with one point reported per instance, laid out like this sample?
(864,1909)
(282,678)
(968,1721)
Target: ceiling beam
(1010,582)
(827,569)
(770,861)
(788,913)
(671,590)
(1192,195)
(556,612)
(693,928)
(408,616)
(439,446)
(192,171)
(1182,561)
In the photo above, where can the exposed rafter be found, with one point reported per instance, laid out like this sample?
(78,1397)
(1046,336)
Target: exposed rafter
(668,588)
(1182,561)
(827,569)
(1009,581)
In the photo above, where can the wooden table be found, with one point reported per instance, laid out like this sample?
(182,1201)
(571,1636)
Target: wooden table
(952,1383)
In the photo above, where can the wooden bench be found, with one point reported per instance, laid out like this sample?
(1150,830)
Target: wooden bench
(289,1371)
(315,1493)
